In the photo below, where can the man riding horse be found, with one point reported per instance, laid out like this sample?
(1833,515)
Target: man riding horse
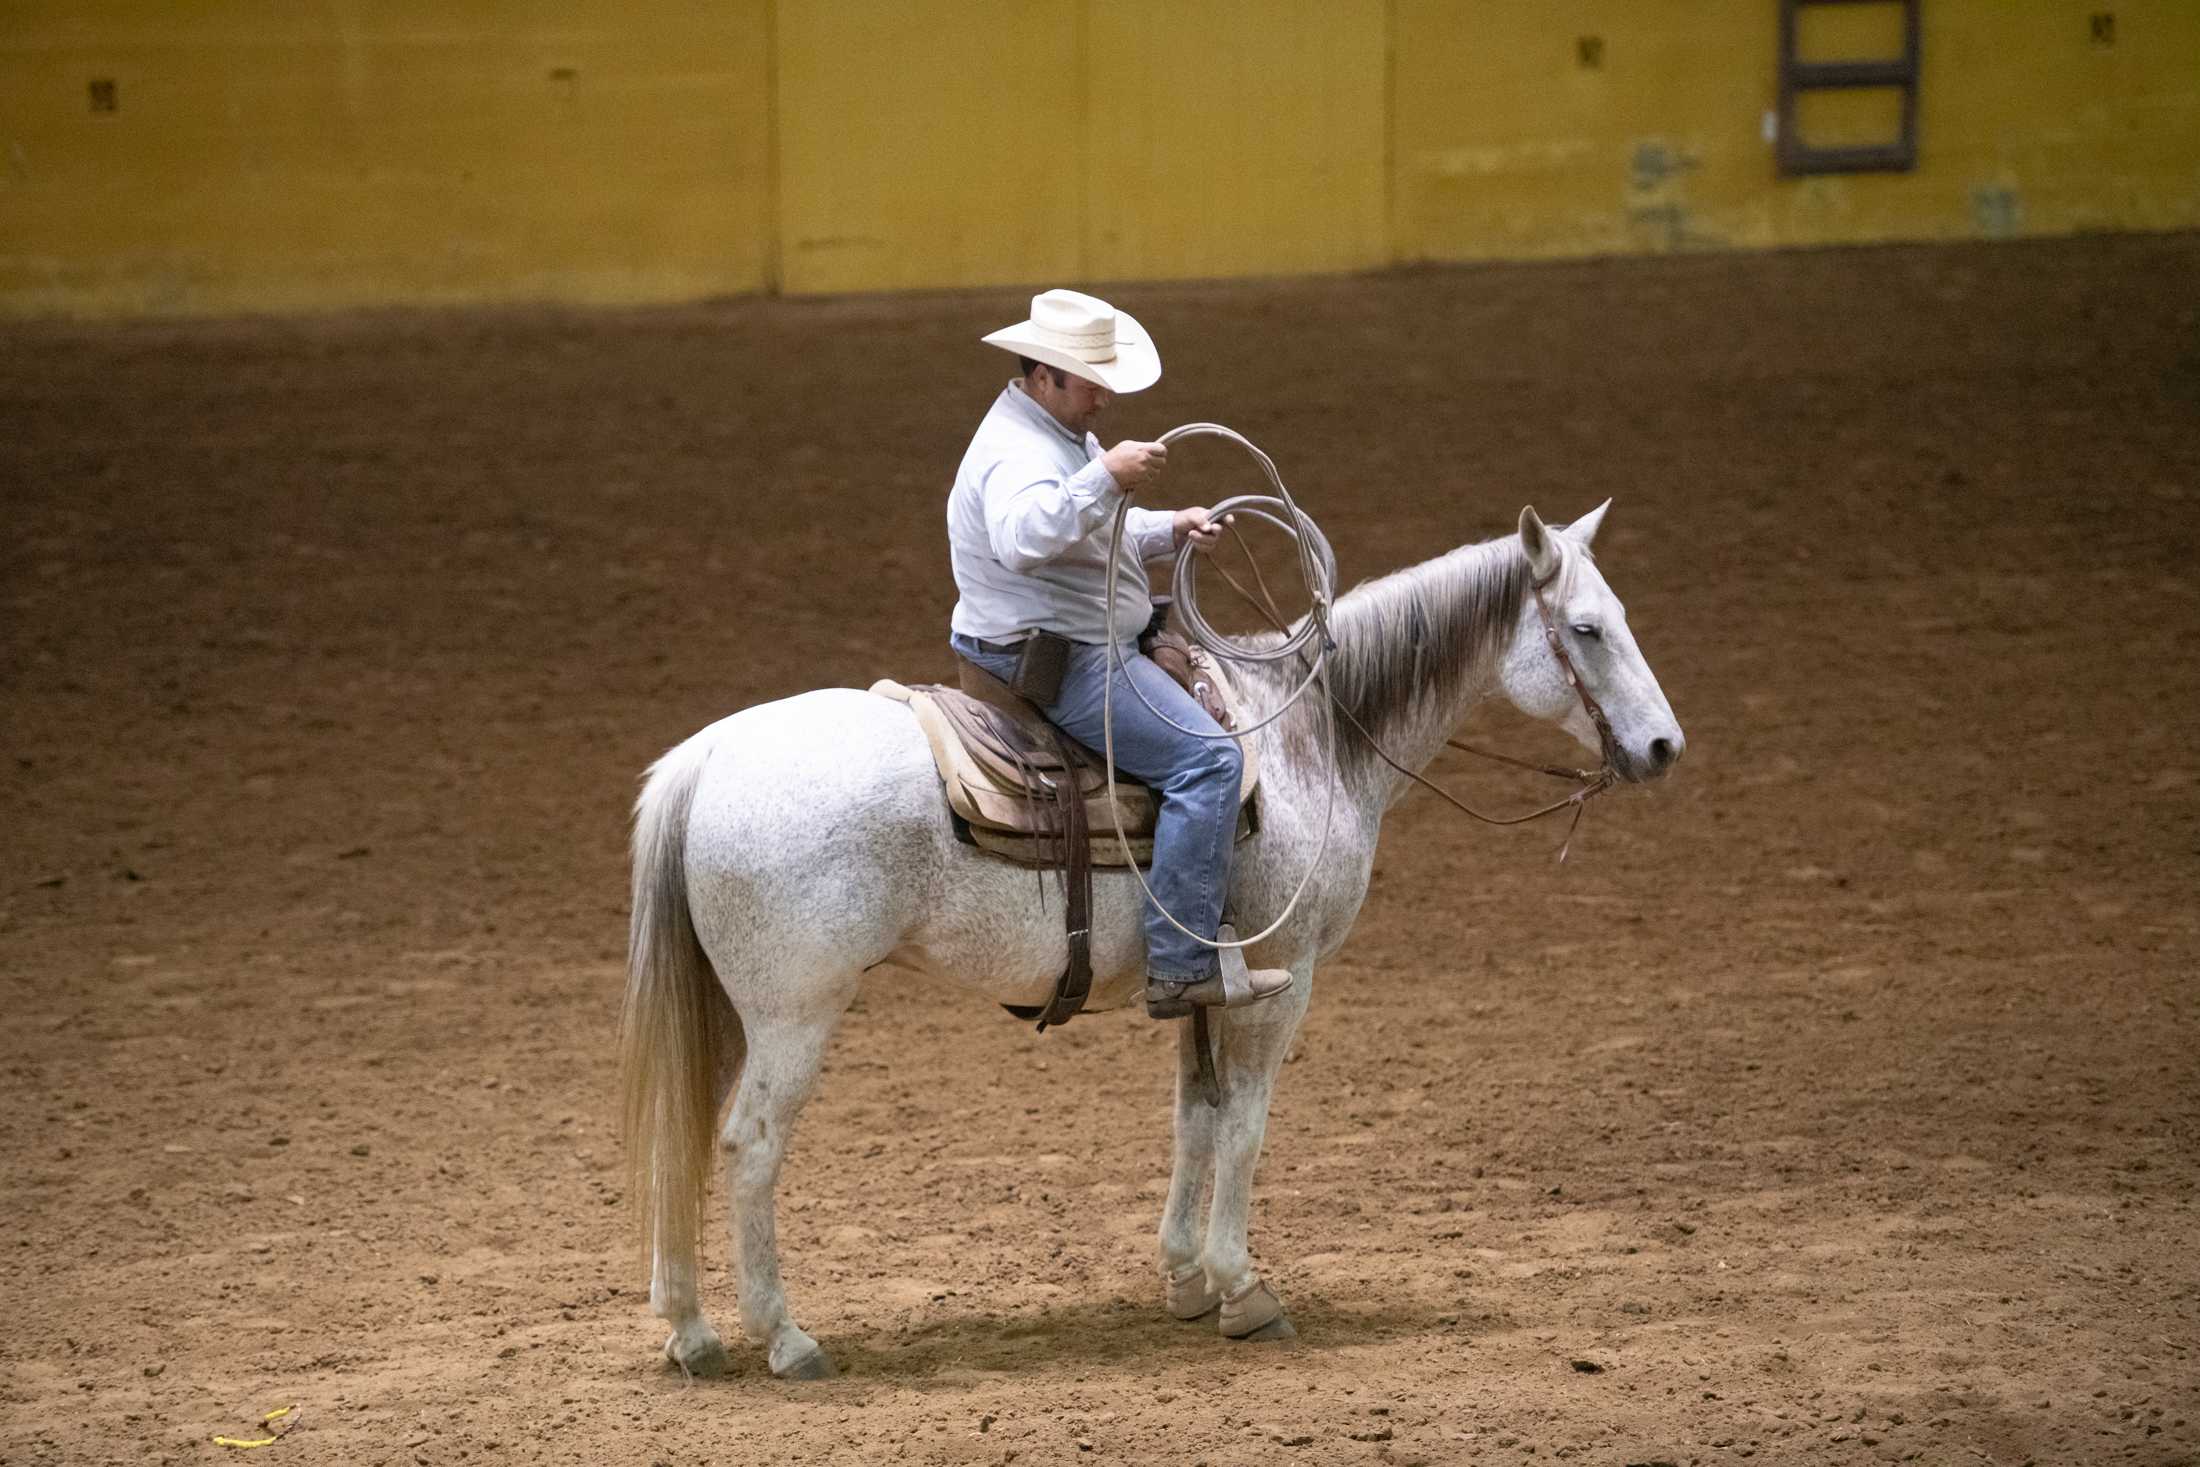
(1028,530)
(790,849)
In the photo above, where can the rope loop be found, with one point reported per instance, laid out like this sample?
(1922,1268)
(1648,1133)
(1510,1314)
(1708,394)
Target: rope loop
(1318,565)
(1318,568)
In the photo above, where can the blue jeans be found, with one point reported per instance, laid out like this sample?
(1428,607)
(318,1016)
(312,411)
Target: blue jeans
(1197,780)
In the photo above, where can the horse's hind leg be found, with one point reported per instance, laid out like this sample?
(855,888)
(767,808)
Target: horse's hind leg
(1185,1290)
(785,1055)
(674,1295)
(693,1345)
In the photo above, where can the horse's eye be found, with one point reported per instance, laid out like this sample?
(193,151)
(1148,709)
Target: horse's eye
(1588,629)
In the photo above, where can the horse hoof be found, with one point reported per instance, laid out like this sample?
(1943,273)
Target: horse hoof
(817,1365)
(1186,1294)
(1252,1313)
(707,1360)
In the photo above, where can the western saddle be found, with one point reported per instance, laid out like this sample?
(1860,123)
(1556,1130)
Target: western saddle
(1020,789)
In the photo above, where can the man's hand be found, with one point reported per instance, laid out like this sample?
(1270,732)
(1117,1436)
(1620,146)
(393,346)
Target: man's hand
(1135,464)
(1194,524)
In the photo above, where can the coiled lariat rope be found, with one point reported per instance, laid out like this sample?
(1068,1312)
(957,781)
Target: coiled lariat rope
(1318,564)
(1318,567)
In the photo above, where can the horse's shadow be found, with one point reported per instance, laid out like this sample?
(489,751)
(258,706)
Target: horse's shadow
(945,1347)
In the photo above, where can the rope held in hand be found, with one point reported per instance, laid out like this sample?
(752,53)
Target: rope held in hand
(1318,565)
(1318,568)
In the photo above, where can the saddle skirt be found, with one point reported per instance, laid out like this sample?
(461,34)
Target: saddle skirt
(1003,784)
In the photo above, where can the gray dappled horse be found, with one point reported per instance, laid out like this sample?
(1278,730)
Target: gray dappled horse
(787,850)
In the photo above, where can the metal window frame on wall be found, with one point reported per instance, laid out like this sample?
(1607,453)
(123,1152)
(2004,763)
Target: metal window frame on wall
(1797,156)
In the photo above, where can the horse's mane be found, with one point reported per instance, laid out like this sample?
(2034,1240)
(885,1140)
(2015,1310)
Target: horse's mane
(1407,641)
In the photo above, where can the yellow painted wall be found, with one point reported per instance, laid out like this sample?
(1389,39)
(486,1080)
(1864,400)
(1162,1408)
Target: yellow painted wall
(933,142)
(1240,138)
(1505,145)
(979,142)
(267,154)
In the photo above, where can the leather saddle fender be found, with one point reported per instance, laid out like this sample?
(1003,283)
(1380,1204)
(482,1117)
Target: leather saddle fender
(1058,786)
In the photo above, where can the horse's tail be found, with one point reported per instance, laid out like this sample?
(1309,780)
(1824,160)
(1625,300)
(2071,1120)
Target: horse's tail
(680,1041)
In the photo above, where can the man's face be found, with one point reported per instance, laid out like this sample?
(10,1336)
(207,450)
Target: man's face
(1075,403)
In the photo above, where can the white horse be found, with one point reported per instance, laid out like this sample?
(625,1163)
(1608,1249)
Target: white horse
(785,851)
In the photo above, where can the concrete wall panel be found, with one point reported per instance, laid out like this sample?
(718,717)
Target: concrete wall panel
(251,154)
(1589,126)
(930,143)
(1235,137)
(264,155)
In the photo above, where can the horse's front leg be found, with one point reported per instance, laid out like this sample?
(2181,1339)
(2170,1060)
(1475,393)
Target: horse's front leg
(1252,1043)
(1185,1289)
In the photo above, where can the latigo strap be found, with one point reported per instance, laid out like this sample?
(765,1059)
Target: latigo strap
(1066,823)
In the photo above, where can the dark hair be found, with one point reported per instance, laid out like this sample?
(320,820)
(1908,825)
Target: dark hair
(1056,375)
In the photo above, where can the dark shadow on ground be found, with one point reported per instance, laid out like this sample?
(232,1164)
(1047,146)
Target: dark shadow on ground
(1101,1334)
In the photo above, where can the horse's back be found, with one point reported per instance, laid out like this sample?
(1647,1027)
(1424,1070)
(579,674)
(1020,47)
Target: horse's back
(825,761)
(813,827)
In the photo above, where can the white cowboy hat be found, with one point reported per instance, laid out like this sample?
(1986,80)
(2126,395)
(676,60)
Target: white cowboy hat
(1085,335)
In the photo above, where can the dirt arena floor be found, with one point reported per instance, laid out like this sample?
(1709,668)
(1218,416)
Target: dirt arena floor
(1836,1103)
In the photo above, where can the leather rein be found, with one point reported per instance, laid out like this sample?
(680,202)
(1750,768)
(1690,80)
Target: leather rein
(1591,782)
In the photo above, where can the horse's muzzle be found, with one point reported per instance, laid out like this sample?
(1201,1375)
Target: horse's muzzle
(1655,760)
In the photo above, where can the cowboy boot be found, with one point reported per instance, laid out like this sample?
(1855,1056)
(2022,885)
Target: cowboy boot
(1234,986)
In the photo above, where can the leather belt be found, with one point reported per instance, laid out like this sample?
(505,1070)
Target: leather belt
(998,647)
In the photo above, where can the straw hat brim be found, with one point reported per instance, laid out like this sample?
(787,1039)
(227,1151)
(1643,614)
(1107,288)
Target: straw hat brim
(1135,367)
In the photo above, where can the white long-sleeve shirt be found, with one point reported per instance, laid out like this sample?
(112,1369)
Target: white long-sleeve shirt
(1027,532)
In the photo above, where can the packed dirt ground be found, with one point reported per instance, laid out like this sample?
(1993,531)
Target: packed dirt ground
(1836,1102)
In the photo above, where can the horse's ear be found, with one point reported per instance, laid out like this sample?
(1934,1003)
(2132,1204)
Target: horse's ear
(1535,538)
(1585,528)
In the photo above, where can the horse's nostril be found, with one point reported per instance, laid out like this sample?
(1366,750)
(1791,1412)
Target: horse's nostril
(1663,753)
